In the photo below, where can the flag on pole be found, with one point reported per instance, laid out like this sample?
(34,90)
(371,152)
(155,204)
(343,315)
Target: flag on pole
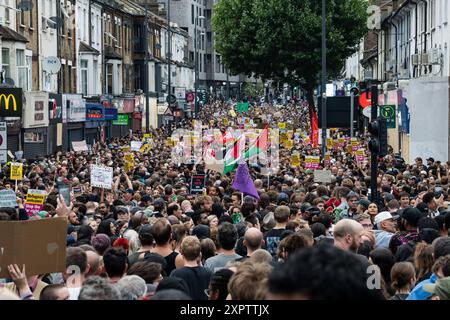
(314,128)
(261,145)
(243,181)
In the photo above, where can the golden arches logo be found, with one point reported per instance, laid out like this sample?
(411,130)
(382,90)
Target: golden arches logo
(7,98)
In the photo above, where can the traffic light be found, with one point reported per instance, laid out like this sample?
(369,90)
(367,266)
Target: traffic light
(378,143)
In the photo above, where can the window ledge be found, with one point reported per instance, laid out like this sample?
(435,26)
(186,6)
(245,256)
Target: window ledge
(22,26)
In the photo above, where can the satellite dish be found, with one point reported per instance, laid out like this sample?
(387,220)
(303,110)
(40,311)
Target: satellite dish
(55,22)
(26,5)
(51,65)
(10,82)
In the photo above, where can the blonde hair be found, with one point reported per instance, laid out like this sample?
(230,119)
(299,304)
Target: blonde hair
(191,248)
(250,282)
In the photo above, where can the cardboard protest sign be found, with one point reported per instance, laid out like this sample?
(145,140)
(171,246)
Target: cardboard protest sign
(233,113)
(295,160)
(360,155)
(101,177)
(322,176)
(16,171)
(145,148)
(129,166)
(312,162)
(329,143)
(354,143)
(129,157)
(8,199)
(341,142)
(225,121)
(39,244)
(197,183)
(282,125)
(147,136)
(136,146)
(289,144)
(34,202)
(79,146)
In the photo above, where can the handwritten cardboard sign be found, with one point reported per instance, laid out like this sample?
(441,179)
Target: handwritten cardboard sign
(79,146)
(39,244)
(101,177)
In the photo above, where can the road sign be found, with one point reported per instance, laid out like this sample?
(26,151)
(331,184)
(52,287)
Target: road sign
(171,99)
(388,112)
(168,112)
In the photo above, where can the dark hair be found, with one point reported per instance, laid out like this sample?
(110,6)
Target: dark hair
(161,231)
(170,294)
(172,208)
(325,219)
(173,283)
(323,272)
(208,249)
(76,257)
(384,259)
(149,271)
(219,282)
(227,236)
(428,197)
(49,291)
(401,275)
(318,229)
(247,209)
(427,222)
(441,247)
(115,261)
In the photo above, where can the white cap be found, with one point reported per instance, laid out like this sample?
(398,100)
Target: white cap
(382,216)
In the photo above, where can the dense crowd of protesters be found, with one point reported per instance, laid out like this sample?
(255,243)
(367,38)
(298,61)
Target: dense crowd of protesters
(149,238)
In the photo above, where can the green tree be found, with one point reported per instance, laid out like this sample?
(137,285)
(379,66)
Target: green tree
(281,39)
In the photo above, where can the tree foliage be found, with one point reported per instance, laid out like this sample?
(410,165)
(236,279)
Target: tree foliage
(281,39)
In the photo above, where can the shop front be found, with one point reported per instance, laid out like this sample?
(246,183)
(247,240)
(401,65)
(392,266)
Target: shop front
(95,120)
(35,125)
(110,116)
(76,116)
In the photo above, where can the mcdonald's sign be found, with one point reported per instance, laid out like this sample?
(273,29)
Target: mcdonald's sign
(11,102)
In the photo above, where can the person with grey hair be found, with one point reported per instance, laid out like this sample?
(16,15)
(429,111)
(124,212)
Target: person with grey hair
(97,288)
(132,287)
(384,221)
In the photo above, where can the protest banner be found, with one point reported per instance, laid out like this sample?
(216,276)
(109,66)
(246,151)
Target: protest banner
(147,136)
(101,177)
(197,183)
(129,157)
(79,146)
(289,144)
(225,121)
(282,125)
(341,142)
(295,160)
(38,244)
(354,143)
(329,143)
(312,162)
(360,155)
(34,202)
(136,145)
(16,171)
(8,199)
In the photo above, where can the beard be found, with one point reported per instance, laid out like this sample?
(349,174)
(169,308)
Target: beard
(354,246)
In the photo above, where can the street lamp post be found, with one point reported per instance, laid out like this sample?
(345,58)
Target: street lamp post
(196,63)
(324,76)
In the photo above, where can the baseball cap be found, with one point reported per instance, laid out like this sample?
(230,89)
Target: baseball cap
(305,207)
(382,216)
(201,231)
(282,197)
(430,159)
(129,191)
(412,215)
(441,288)
(364,202)
(315,211)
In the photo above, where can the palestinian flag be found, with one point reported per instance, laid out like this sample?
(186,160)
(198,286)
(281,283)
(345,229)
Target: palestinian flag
(234,155)
(261,145)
